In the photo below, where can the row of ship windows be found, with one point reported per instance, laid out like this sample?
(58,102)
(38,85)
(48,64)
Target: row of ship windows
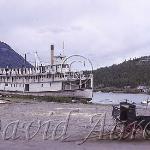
(14,85)
(35,77)
(24,69)
(21,85)
(34,69)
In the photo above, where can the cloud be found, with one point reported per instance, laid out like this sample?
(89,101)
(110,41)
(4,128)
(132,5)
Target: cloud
(106,31)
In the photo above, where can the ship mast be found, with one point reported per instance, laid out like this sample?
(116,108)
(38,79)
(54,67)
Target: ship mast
(63,49)
(25,60)
(37,60)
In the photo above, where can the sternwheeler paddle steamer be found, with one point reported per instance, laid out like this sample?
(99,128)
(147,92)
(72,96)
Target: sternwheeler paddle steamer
(54,80)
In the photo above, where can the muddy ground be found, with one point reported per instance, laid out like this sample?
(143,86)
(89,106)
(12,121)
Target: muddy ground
(51,121)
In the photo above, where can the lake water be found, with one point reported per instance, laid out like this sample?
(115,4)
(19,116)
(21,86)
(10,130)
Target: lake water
(116,98)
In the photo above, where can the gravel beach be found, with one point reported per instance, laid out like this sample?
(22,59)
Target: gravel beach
(41,125)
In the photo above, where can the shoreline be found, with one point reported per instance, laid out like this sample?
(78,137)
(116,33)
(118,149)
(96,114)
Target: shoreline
(45,98)
(127,91)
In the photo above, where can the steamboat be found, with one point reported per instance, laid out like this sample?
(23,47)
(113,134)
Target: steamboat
(53,80)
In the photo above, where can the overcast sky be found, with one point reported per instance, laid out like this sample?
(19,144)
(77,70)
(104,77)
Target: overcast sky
(106,31)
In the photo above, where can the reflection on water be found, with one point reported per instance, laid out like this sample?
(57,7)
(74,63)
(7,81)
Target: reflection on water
(115,98)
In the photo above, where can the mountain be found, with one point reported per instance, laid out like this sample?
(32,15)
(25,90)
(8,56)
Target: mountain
(9,58)
(129,73)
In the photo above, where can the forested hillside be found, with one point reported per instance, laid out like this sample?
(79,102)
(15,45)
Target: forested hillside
(129,73)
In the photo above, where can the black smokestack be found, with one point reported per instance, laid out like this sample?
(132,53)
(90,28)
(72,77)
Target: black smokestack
(52,54)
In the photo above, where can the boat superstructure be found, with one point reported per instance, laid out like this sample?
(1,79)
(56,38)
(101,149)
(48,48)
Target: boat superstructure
(55,79)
